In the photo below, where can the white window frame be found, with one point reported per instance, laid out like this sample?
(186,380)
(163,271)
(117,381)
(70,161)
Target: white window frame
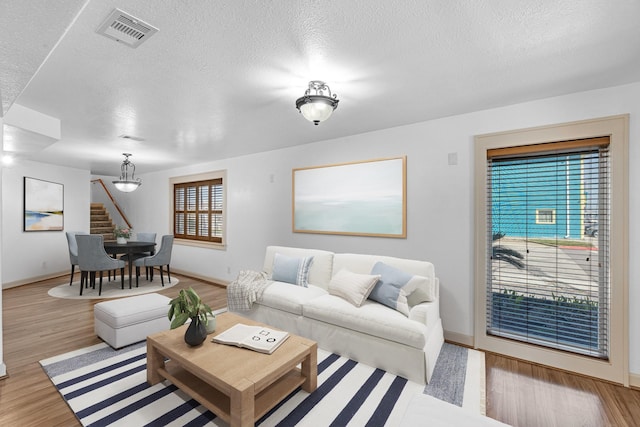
(222,174)
(540,221)
(616,369)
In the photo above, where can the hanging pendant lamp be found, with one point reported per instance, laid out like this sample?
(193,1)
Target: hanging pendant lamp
(127,182)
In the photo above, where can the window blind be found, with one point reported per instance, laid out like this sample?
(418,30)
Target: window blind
(198,211)
(548,219)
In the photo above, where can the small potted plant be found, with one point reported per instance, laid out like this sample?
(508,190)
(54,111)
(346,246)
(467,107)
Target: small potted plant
(188,305)
(122,234)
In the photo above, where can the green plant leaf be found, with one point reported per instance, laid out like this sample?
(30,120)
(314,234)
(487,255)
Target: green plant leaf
(207,309)
(187,305)
(179,320)
(193,297)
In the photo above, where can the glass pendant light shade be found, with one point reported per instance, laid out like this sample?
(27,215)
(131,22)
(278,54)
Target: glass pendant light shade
(127,182)
(127,186)
(317,107)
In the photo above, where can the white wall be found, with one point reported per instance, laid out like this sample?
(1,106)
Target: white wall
(440,197)
(3,367)
(28,256)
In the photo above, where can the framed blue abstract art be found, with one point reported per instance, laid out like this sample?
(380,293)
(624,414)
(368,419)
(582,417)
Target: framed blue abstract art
(366,198)
(43,205)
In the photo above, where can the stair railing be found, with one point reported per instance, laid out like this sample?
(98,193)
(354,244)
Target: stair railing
(124,217)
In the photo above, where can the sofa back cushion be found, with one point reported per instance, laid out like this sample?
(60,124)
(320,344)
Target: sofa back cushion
(319,271)
(363,264)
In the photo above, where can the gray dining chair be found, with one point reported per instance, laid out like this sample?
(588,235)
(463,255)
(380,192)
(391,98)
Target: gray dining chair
(141,237)
(73,251)
(159,259)
(92,258)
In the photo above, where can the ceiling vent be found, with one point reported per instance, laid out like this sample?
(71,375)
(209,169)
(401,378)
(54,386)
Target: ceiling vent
(126,29)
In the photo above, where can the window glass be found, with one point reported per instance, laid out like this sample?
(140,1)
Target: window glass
(548,280)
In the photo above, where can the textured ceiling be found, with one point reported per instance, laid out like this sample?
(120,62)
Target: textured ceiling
(220,78)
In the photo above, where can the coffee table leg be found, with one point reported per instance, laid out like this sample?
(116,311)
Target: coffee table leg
(242,401)
(155,361)
(310,370)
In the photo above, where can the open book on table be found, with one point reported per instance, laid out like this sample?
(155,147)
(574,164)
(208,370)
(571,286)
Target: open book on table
(257,338)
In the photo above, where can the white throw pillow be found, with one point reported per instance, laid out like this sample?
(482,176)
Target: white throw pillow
(352,287)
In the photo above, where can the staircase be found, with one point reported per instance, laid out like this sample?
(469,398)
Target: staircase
(101,222)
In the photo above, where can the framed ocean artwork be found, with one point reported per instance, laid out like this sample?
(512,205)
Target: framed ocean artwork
(43,205)
(366,198)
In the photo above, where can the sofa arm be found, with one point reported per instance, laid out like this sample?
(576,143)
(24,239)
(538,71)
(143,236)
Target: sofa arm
(426,313)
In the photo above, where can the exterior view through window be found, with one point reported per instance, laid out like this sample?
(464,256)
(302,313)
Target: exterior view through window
(548,219)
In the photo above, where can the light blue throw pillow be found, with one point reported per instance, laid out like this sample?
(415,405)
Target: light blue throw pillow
(393,287)
(291,270)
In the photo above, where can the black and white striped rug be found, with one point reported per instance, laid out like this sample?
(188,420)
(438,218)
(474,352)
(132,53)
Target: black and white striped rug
(108,387)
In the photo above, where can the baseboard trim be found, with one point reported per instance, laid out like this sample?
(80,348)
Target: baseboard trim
(634,381)
(30,280)
(211,280)
(457,338)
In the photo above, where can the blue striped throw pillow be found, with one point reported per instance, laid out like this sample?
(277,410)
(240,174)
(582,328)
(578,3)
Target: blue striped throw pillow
(291,270)
(393,287)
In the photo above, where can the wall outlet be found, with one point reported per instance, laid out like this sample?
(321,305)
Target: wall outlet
(453,159)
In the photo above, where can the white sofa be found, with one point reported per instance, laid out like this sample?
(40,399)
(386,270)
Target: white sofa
(373,333)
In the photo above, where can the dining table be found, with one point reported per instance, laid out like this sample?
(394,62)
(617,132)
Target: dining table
(130,248)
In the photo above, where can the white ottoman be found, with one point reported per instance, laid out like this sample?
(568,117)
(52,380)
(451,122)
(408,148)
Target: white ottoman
(128,320)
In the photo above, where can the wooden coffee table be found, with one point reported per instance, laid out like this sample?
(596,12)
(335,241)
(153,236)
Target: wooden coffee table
(236,384)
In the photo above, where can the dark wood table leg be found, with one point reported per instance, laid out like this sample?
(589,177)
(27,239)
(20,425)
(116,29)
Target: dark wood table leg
(130,252)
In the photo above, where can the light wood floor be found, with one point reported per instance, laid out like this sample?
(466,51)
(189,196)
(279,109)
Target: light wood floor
(37,326)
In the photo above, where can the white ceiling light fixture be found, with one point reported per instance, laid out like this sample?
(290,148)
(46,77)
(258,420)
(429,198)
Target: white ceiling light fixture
(127,183)
(317,107)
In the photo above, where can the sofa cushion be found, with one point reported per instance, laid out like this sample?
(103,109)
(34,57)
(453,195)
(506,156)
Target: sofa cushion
(283,296)
(352,287)
(370,318)
(359,263)
(319,271)
(394,286)
(291,270)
